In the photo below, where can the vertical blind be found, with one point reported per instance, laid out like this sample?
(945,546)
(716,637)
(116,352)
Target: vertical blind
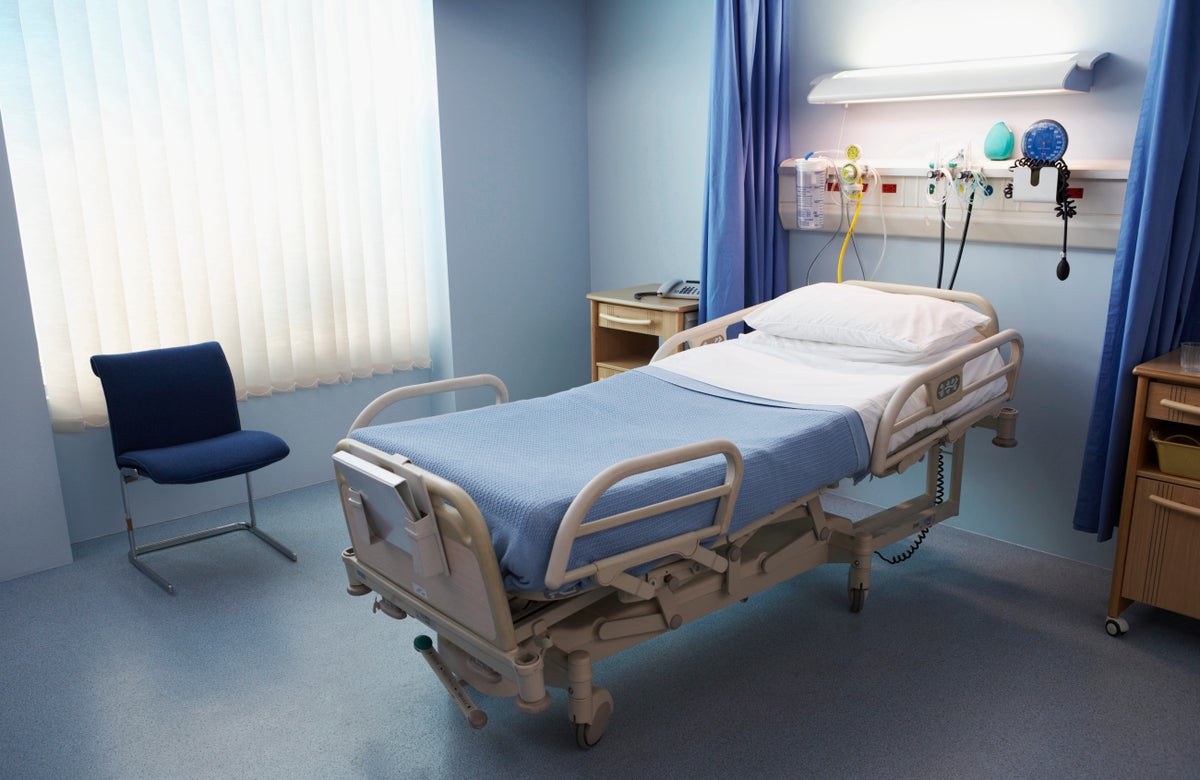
(265,173)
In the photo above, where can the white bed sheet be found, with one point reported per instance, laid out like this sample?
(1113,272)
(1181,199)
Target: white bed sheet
(799,372)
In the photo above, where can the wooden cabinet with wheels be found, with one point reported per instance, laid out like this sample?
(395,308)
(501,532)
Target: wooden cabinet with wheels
(1158,544)
(626,329)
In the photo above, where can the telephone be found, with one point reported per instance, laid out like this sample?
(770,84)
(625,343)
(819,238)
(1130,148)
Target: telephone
(680,288)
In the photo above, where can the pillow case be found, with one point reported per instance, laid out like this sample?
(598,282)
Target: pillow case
(854,316)
(788,349)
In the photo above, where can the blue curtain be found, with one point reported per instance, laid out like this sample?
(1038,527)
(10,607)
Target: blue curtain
(1155,303)
(745,246)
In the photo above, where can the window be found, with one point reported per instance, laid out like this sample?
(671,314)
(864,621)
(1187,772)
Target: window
(263,173)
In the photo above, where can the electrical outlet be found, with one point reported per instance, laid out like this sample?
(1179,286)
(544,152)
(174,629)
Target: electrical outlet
(887,192)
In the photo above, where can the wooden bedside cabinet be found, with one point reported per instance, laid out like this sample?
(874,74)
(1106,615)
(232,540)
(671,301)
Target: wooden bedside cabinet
(1158,544)
(626,330)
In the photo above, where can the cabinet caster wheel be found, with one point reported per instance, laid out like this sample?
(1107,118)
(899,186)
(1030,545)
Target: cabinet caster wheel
(587,735)
(1116,626)
(858,597)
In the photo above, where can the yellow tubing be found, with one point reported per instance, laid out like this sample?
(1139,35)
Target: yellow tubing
(849,232)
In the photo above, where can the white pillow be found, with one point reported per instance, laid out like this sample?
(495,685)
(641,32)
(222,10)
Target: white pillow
(787,348)
(862,317)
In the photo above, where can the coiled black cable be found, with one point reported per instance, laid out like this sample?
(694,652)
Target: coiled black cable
(910,552)
(939,495)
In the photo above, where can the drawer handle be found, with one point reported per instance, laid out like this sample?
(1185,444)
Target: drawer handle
(1186,408)
(1175,506)
(628,321)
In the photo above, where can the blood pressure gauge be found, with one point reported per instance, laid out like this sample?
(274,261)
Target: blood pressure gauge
(1045,141)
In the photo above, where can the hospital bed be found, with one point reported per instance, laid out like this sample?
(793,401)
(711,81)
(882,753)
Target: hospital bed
(537,537)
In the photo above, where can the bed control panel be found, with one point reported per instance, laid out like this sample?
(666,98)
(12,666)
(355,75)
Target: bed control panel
(948,387)
(945,390)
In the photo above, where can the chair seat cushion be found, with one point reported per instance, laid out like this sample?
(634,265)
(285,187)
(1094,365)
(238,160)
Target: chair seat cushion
(223,456)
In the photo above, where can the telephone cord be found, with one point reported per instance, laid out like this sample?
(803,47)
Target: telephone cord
(939,497)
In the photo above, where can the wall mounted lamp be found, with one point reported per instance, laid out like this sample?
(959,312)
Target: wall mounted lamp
(1042,74)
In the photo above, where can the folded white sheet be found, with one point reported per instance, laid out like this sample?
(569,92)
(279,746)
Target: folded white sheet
(803,372)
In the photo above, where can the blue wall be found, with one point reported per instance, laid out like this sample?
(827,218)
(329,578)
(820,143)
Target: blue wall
(647,94)
(514,154)
(33,526)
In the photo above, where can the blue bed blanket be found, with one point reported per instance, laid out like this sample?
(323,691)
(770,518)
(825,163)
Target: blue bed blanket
(523,462)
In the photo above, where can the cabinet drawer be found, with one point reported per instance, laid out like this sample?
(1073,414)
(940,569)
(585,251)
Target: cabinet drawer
(1164,547)
(1177,403)
(631,318)
(604,372)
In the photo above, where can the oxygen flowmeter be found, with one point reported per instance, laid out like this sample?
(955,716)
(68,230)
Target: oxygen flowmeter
(851,173)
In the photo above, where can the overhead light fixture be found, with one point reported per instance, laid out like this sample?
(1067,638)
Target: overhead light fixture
(1039,75)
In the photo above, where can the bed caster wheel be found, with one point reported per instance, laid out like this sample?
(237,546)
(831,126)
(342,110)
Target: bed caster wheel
(858,597)
(587,735)
(1116,626)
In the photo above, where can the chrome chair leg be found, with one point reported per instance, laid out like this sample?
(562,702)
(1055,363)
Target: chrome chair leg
(136,551)
(261,534)
(133,548)
(157,578)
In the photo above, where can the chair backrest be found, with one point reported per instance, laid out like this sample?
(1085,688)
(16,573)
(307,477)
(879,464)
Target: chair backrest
(162,397)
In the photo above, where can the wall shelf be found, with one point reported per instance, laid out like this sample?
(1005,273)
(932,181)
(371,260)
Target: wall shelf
(1099,194)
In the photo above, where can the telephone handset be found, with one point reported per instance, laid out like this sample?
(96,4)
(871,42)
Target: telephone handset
(680,288)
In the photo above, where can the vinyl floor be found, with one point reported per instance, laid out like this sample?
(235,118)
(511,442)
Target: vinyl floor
(974,659)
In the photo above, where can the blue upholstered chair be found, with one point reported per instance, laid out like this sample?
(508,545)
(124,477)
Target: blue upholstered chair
(174,420)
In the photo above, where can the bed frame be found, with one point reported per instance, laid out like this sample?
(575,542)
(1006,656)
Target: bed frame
(423,547)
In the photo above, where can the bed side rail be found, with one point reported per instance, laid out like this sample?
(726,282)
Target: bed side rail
(705,333)
(613,570)
(372,410)
(943,385)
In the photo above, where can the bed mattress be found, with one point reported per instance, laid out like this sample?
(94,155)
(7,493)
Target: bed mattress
(524,462)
